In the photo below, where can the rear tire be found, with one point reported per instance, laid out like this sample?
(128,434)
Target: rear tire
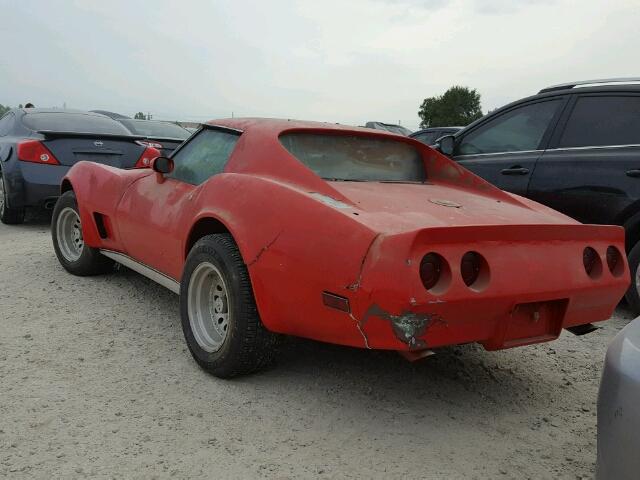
(8,216)
(68,243)
(633,293)
(220,319)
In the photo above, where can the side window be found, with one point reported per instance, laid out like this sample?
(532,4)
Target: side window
(6,123)
(517,130)
(428,137)
(204,156)
(603,120)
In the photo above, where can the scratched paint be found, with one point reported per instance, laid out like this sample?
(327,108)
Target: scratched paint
(407,327)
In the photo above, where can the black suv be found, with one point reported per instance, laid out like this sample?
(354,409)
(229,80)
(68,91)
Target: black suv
(574,147)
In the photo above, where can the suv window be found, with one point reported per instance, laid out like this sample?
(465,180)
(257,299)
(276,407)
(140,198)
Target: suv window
(6,123)
(516,130)
(204,156)
(603,120)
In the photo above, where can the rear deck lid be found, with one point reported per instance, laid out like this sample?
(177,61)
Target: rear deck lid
(113,150)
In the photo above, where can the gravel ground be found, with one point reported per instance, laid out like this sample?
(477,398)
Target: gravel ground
(96,381)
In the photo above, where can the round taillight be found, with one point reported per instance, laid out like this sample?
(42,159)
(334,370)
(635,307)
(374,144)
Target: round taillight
(614,261)
(474,271)
(431,269)
(470,268)
(591,262)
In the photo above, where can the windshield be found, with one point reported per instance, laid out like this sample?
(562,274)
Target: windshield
(73,122)
(149,128)
(356,158)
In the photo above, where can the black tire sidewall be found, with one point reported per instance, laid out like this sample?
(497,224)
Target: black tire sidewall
(9,216)
(632,295)
(223,361)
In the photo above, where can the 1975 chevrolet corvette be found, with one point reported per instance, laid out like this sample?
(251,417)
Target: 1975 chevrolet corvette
(339,234)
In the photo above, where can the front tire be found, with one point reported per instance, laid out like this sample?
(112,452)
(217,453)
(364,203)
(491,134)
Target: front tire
(219,316)
(8,216)
(68,243)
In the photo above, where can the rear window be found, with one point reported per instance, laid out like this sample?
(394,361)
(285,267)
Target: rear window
(356,158)
(73,122)
(149,128)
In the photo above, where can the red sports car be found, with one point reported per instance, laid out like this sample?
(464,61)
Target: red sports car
(339,234)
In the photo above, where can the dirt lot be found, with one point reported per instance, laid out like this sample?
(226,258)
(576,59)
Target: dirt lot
(96,381)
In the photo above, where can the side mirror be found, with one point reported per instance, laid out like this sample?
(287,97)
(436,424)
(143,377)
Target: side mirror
(446,144)
(162,165)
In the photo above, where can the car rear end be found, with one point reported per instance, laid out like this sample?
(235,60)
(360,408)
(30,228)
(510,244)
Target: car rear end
(455,260)
(60,140)
(498,285)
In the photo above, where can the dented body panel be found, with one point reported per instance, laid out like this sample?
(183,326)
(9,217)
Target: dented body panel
(300,236)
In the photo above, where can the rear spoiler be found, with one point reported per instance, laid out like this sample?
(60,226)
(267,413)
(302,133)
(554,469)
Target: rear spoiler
(108,136)
(170,139)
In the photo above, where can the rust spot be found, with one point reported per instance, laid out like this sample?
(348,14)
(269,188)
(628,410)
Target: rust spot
(445,203)
(407,326)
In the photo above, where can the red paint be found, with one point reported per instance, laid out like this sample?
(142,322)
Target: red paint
(298,246)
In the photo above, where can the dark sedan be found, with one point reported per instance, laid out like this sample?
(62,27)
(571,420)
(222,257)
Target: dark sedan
(165,136)
(38,146)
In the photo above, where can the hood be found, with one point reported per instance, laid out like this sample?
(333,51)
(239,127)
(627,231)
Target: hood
(393,207)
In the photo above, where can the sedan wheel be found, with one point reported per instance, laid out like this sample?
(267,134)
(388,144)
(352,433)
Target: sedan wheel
(9,216)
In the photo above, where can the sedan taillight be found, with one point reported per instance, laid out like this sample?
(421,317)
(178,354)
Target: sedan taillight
(35,151)
(145,159)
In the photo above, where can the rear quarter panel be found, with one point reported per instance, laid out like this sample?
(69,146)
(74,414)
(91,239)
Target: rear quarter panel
(295,247)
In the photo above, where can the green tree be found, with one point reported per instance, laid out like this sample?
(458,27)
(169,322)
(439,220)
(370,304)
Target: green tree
(3,109)
(458,106)
(140,116)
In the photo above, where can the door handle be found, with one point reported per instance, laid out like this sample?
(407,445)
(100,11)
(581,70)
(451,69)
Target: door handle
(633,173)
(517,170)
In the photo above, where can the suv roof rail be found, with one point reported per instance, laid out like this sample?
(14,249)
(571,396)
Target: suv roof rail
(582,83)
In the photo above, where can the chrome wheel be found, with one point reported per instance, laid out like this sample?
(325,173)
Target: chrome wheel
(637,278)
(208,307)
(69,233)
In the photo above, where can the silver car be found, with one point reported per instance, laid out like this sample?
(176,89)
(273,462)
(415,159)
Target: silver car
(619,408)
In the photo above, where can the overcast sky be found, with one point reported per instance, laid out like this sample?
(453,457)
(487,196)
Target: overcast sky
(345,61)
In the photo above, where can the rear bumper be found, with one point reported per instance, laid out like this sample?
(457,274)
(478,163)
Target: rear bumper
(33,184)
(618,414)
(537,285)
